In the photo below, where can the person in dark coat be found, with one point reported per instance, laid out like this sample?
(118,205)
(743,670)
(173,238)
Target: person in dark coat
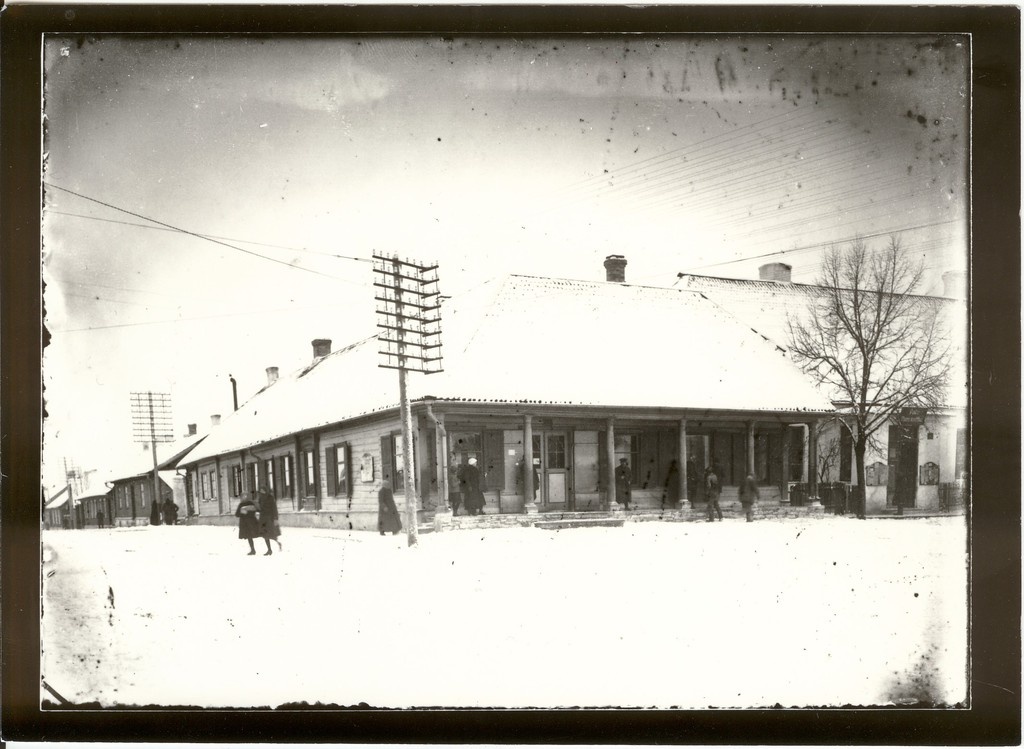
(170,511)
(270,527)
(248,525)
(748,495)
(472,495)
(623,481)
(713,489)
(455,489)
(387,512)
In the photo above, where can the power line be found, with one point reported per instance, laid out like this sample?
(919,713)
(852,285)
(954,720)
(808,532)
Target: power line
(212,236)
(806,248)
(192,319)
(200,236)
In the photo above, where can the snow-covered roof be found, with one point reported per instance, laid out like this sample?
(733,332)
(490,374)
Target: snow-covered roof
(168,457)
(769,305)
(541,340)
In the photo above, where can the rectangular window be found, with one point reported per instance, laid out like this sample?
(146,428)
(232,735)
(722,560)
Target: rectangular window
(341,470)
(268,473)
(286,476)
(486,447)
(398,453)
(308,473)
(236,481)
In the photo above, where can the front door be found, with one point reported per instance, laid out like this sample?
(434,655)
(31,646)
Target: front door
(552,449)
(902,489)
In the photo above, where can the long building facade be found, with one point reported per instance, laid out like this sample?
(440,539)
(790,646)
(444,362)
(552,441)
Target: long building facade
(569,407)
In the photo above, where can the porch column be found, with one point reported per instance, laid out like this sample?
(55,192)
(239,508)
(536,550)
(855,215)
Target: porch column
(750,447)
(786,447)
(684,495)
(441,463)
(812,483)
(610,452)
(529,503)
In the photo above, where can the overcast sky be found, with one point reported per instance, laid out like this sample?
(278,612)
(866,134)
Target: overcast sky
(296,158)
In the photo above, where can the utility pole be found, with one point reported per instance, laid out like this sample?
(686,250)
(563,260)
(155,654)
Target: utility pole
(409,317)
(151,423)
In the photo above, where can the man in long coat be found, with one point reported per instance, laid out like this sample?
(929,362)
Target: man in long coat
(472,495)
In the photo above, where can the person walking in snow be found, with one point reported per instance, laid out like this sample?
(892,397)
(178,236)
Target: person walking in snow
(713,489)
(387,511)
(748,495)
(623,480)
(248,525)
(472,495)
(270,527)
(170,512)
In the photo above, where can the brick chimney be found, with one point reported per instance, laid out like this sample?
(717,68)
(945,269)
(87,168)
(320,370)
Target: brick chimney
(615,268)
(776,272)
(954,283)
(272,372)
(321,347)
(215,419)
(191,430)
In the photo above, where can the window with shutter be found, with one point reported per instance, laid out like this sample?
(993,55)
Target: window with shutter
(387,462)
(332,469)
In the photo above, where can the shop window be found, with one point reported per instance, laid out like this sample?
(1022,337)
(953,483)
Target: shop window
(486,446)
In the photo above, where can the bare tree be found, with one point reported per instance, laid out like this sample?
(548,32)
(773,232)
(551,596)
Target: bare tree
(872,341)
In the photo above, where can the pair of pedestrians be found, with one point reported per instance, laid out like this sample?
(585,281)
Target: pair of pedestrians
(258,518)
(748,495)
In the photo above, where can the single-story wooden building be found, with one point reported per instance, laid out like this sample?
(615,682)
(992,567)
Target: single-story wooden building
(571,376)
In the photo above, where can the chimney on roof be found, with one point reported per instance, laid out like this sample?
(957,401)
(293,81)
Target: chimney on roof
(215,419)
(615,268)
(776,272)
(271,375)
(954,284)
(191,430)
(321,347)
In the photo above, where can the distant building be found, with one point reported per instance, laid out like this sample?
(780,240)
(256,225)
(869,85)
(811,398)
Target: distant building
(569,376)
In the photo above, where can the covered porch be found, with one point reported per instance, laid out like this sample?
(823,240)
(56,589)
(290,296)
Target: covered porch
(573,453)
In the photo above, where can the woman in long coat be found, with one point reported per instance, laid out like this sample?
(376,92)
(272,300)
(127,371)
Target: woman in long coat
(248,525)
(387,511)
(270,527)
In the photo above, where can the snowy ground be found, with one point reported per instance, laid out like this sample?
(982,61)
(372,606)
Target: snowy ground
(795,612)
